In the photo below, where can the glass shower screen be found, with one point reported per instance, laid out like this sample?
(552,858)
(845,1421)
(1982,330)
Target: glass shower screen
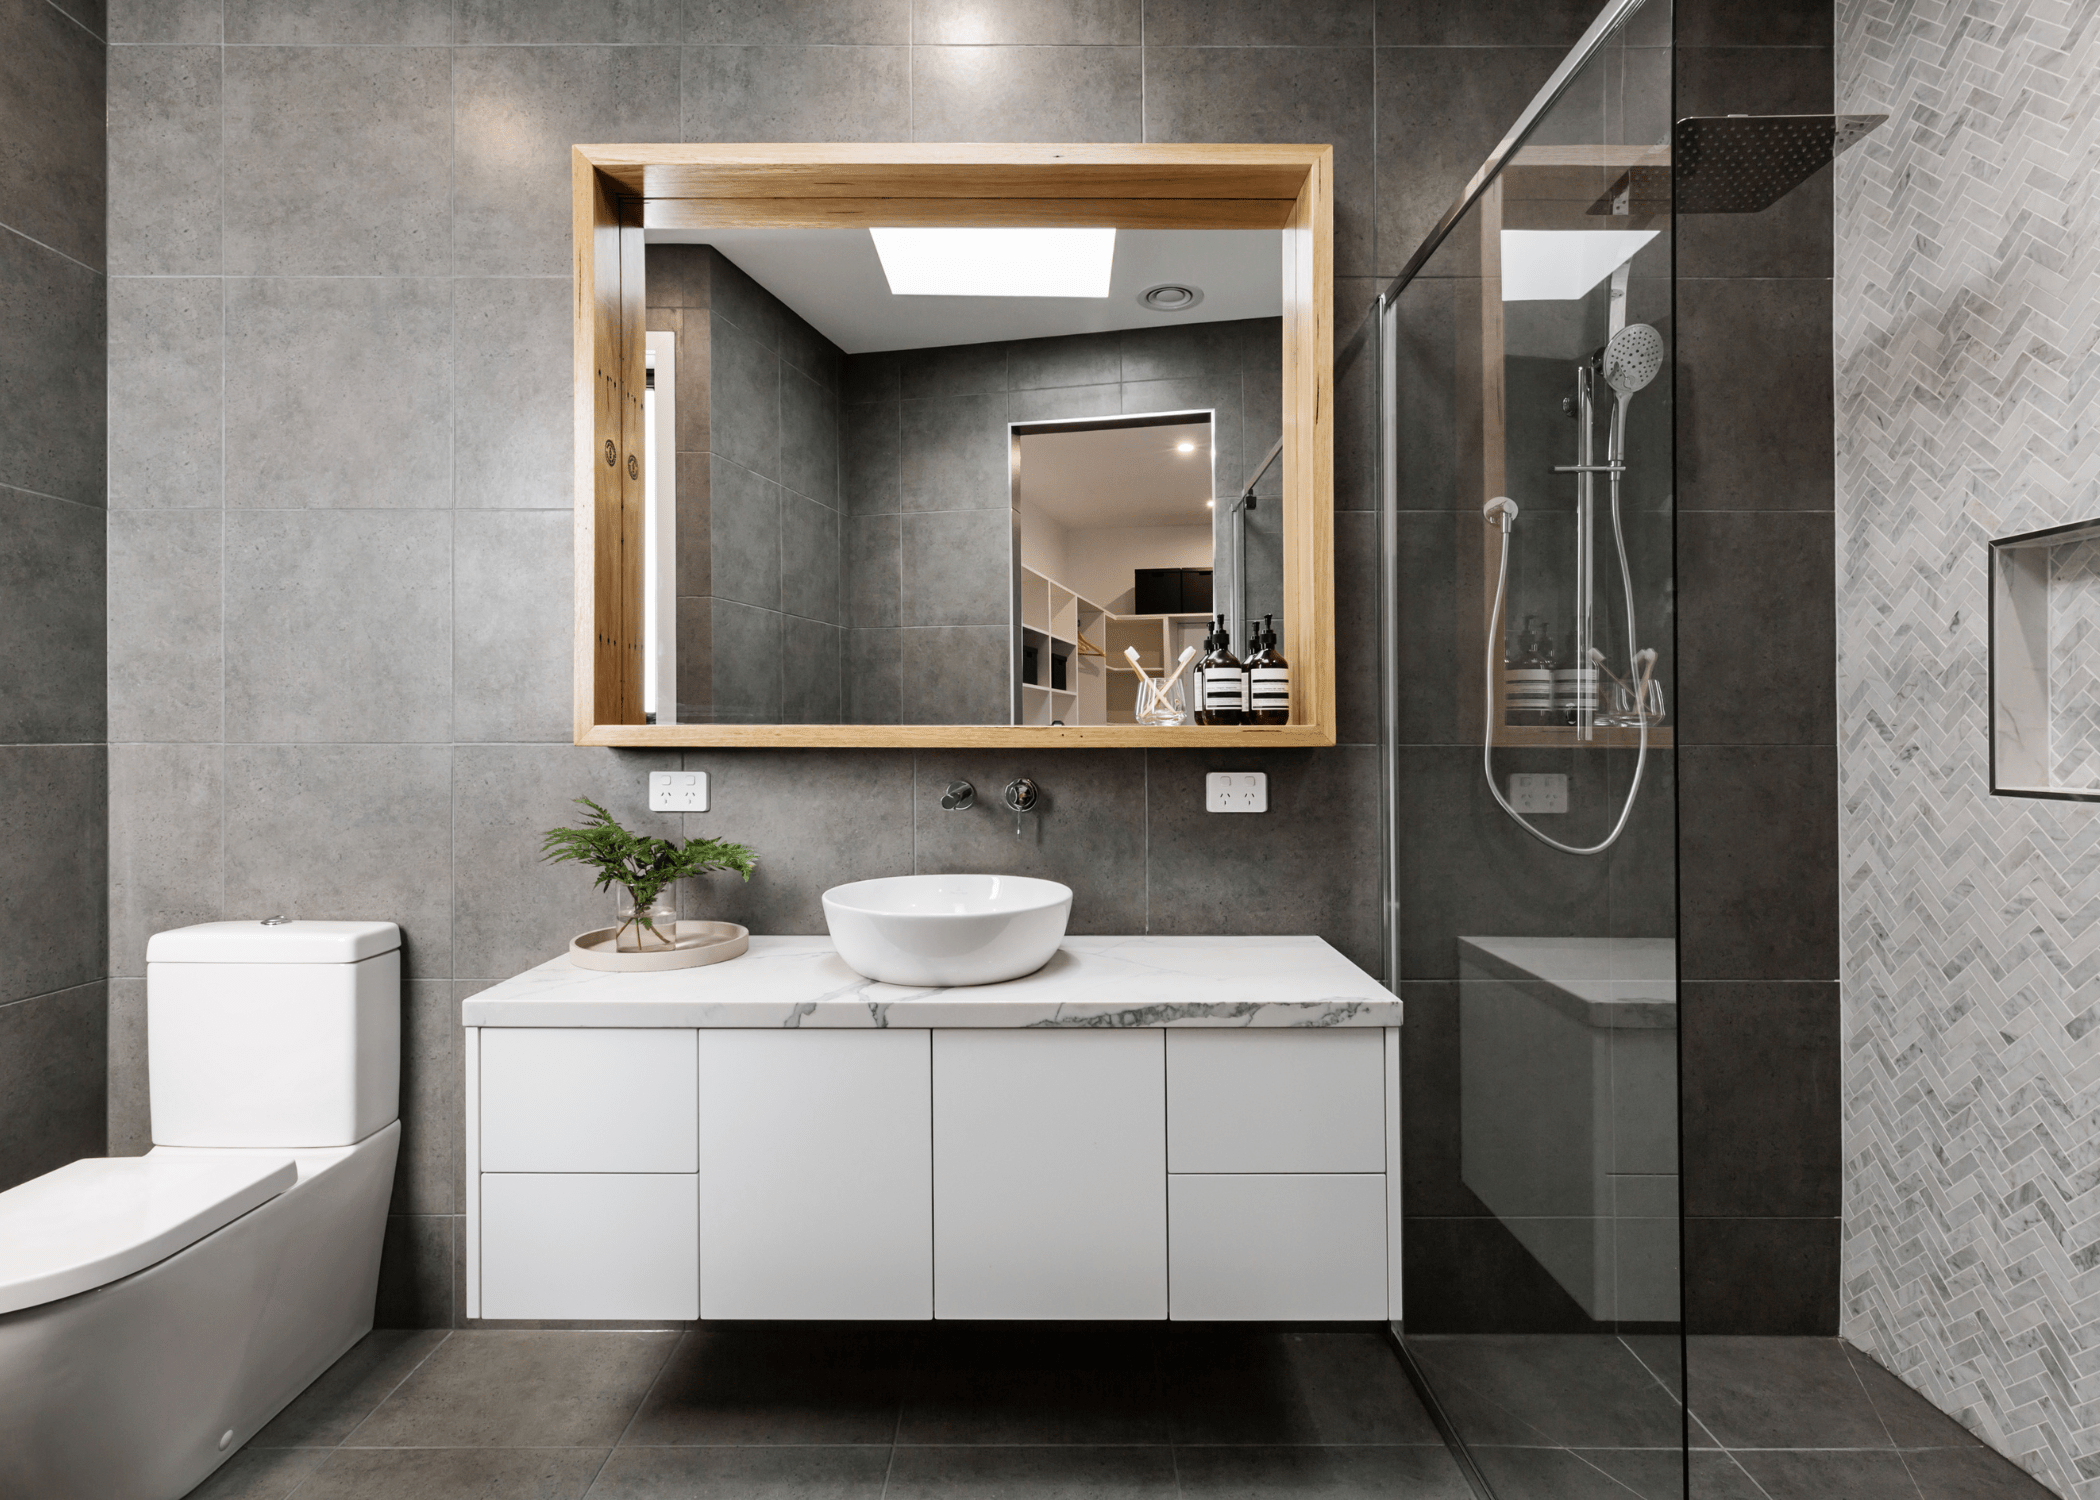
(1523,370)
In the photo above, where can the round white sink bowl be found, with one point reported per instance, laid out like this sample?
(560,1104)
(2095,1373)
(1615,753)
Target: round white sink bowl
(947,929)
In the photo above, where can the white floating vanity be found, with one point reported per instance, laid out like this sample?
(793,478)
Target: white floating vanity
(1194,1128)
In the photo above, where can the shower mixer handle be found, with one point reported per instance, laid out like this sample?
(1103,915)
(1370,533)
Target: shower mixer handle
(1502,509)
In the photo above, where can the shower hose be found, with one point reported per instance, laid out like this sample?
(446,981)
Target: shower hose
(1502,511)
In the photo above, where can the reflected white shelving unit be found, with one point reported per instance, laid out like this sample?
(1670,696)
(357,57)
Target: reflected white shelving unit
(1061,659)
(1158,639)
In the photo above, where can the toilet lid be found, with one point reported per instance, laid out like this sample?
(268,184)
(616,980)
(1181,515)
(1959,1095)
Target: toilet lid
(94,1221)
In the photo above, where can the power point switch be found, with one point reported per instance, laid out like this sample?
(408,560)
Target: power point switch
(678,791)
(1236,791)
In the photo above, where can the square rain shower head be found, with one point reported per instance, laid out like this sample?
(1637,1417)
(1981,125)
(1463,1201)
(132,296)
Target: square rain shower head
(1735,164)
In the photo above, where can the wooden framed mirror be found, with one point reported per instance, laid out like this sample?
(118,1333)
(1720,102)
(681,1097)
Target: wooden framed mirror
(640,649)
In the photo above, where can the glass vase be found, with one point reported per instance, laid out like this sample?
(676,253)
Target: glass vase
(647,929)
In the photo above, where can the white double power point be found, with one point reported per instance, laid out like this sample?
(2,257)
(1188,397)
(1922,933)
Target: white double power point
(678,791)
(1236,791)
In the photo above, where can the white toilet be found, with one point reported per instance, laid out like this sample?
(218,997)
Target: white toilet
(156,1311)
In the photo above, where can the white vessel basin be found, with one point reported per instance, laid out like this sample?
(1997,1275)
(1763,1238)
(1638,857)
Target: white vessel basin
(947,929)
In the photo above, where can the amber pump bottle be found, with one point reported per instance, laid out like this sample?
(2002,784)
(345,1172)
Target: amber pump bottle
(1224,682)
(1268,680)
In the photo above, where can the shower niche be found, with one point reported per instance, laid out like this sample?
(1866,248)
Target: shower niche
(2045,663)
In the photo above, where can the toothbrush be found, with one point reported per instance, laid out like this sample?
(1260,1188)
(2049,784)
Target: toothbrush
(1188,654)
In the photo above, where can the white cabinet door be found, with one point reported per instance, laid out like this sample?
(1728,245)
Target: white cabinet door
(1276,1100)
(816,1174)
(1049,1174)
(602,1099)
(589,1244)
(1282,1247)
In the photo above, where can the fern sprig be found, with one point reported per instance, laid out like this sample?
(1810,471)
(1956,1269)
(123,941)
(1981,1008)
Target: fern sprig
(643,865)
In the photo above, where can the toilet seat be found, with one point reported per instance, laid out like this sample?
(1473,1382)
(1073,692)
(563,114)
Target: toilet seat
(103,1218)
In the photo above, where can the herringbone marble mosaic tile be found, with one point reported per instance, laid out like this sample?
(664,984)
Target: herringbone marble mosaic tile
(1968,388)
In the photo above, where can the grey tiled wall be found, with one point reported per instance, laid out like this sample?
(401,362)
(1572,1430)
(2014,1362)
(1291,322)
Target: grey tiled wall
(930,542)
(761,608)
(53,726)
(1757,731)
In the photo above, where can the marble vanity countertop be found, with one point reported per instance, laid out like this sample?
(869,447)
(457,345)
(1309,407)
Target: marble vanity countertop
(1091,981)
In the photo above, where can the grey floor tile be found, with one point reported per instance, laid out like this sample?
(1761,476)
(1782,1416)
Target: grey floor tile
(347,1392)
(1780,1393)
(1230,1385)
(1717,1476)
(260,1474)
(842,1473)
(1854,1475)
(998,1385)
(1659,1473)
(1974,1473)
(1578,1390)
(455,1474)
(1253,1473)
(776,1386)
(1910,1417)
(1545,1474)
(1031,1473)
(499,1389)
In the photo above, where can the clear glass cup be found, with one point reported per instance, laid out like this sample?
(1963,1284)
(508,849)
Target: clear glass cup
(1162,708)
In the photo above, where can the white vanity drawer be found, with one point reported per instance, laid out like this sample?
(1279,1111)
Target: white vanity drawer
(816,1174)
(1049,1174)
(1281,1247)
(602,1099)
(590,1245)
(1276,1100)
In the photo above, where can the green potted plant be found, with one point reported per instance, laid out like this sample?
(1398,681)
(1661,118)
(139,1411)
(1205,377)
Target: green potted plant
(644,867)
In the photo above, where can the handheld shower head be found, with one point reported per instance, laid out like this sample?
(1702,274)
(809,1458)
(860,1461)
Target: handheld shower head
(1632,358)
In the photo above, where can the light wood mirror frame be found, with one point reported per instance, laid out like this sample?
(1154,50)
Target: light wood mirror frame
(620,191)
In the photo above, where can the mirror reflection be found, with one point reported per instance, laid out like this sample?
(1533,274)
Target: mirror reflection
(958,476)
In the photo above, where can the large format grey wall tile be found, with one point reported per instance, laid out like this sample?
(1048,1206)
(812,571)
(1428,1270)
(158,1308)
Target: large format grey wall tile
(808,22)
(338,392)
(572,22)
(1760,832)
(1754,377)
(1257,23)
(817,818)
(165,857)
(512,910)
(1483,23)
(415,1272)
(743,535)
(166,650)
(743,397)
(51,111)
(872,561)
(1765,577)
(809,560)
(512,407)
(345,832)
(958,568)
(1027,94)
(1317,841)
(516,112)
(809,436)
(54,867)
(1027,22)
(868,474)
(874,684)
(797,94)
(747,644)
(513,576)
(53,1081)
(53,373)
(130,1113)
(1282,94)
(1440,111)
(338,626)
(952,454)
(164,21)
(166,391)
(810,666)
(1761,1276)
(1762,1100)
(433,1124)
(1090,833)
(955,675)
(325,23)
(335,161)
(52,640)
(164,160)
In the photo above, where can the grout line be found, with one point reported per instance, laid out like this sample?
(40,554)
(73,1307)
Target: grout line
(74,259)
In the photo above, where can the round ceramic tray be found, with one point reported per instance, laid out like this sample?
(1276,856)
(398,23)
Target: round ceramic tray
(698,943)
